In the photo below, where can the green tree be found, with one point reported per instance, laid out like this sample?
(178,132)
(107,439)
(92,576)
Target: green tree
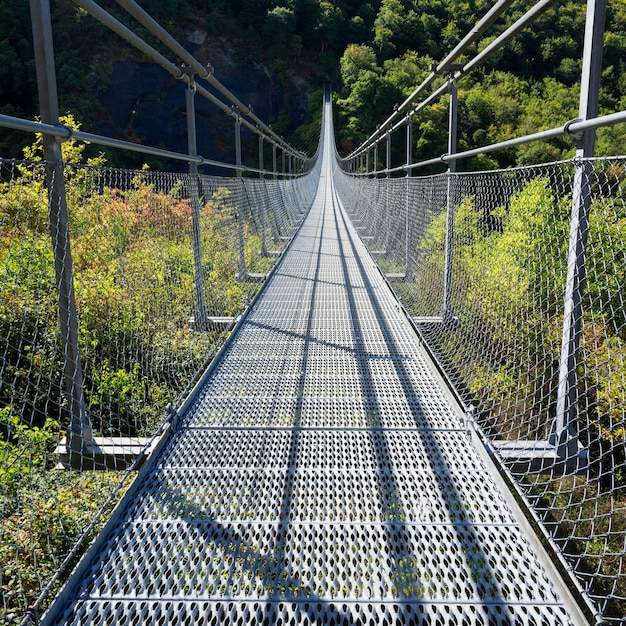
(355,60)
(329,25)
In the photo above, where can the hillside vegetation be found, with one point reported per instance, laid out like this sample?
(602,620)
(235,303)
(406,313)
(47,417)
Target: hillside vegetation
(374,53)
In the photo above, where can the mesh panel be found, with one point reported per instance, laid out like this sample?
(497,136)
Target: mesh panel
(486,290)
(320,474)
(163,265)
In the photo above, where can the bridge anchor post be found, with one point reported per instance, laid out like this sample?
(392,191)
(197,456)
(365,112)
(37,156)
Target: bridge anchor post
(446,311)
(194,195)
(564,434)
(80,434)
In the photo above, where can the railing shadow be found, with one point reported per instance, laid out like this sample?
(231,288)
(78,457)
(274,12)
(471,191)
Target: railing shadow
(466,538)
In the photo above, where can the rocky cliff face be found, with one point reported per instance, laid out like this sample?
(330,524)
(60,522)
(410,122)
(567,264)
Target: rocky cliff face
(144,103)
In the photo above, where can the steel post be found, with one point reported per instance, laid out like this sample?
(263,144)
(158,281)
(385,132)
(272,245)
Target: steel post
(388,154)
(446,312)
(409,173)
(261,158)
(564,432)
(201,314)
(274,161)
(80,433)
(386,226)
(409,144)
(263,207)
(240,212)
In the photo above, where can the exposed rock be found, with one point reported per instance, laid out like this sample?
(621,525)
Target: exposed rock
(195,36)
(144,103)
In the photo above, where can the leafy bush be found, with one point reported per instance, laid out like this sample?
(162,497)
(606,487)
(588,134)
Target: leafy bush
(135,278)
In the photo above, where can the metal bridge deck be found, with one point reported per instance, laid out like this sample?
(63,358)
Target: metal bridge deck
(322,475)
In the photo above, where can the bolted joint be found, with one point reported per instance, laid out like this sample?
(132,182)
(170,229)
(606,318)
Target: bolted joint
(456,67)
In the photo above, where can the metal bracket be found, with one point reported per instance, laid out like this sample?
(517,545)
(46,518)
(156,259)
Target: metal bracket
(577,135)
(69,129)
(104,453)
(212,322)
(539,457)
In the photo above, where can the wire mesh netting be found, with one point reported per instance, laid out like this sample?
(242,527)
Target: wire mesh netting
(163,265)
(480,261)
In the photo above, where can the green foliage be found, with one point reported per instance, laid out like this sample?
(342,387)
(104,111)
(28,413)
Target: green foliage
(22,448)
(509,276)
(356,60)
(134,283)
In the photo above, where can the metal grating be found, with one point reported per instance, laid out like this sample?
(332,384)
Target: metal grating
(321,476)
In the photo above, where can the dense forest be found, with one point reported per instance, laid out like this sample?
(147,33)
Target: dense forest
(374,53)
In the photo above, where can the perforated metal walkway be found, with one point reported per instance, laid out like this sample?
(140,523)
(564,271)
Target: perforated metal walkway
(322,476)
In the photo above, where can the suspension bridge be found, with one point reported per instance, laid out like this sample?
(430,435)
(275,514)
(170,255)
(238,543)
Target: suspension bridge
(336,452)
(322,474)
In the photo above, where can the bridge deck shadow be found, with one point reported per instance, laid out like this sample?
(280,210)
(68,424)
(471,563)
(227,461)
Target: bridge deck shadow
(321,476)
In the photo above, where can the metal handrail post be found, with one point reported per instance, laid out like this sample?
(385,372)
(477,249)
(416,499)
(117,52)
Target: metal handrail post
(446,312)
(376,157)
(387,190)
(240,230)
(201,314)
(80,433)
(274,161)
(261,159)
(564,433)
(263,207)
(388,154)
(409,173)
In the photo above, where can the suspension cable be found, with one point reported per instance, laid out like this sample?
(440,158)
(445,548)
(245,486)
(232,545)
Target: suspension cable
(538,9)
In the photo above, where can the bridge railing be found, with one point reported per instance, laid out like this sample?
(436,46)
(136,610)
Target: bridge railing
(153,304)
(117,287)
(515,280)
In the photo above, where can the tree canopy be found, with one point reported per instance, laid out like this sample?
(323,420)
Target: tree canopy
(374,52)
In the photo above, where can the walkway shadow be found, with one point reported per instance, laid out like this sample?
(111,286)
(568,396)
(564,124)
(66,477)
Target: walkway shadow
(484,581)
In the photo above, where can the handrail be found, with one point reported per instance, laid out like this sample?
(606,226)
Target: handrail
(65,132)
(532,14)
(571,128)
